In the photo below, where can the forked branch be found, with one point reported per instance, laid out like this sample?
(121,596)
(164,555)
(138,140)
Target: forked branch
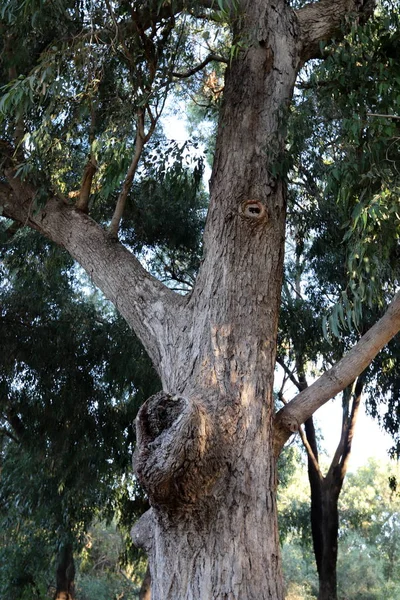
(200,66)
(149,307)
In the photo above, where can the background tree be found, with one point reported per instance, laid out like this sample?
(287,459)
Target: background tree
(369,511)
(72,379)
(345,250)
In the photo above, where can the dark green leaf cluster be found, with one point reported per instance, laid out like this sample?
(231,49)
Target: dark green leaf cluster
(72,377)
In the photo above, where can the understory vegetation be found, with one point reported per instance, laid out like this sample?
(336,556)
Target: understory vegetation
(369,545)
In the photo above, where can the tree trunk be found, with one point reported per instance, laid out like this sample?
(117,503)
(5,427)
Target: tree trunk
(325,492)
(206,457)
(328,529)
(324,520)
(145,590)
(65,575)
(206,451)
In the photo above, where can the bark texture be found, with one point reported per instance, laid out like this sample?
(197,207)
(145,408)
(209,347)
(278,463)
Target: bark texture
(321,21)
(145,590)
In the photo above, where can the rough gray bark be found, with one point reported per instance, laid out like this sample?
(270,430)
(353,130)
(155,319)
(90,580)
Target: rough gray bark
(207,444)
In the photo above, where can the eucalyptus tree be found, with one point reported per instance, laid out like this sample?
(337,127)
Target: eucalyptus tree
(82,99)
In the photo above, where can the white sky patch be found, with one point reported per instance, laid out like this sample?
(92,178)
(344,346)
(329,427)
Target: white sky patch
(369,441)
(175,126)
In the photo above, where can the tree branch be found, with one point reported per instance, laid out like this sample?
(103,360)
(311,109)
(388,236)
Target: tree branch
(148,306)
(321,21)
(121,202)
(289,373)
(311,455)
(345,424)
(289,418)
(86,185)
(90,168)
(4,431)
(200,66)
(383,116)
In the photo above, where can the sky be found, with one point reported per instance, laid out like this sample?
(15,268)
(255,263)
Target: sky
(369,440)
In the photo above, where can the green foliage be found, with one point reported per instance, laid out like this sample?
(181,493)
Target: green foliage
(299,573)
(346,171)
(100,576)
(293,501)
(72,378)
(168,210)
(360,571)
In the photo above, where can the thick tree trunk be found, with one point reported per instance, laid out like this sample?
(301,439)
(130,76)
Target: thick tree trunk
(206,456)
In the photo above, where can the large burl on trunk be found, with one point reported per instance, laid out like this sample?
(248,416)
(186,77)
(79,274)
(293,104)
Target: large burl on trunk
(207,445)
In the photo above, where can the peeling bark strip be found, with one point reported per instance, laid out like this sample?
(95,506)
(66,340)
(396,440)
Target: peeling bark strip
(205,452)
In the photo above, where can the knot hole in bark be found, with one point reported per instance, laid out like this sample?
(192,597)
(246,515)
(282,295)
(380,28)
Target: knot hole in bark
(253,210)
(161,413)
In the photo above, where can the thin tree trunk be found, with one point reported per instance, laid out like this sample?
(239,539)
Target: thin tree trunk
(145,590)
(65,574)
(329,531)
(325,493)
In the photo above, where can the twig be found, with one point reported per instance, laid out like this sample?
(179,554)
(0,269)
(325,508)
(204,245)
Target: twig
(383,116)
